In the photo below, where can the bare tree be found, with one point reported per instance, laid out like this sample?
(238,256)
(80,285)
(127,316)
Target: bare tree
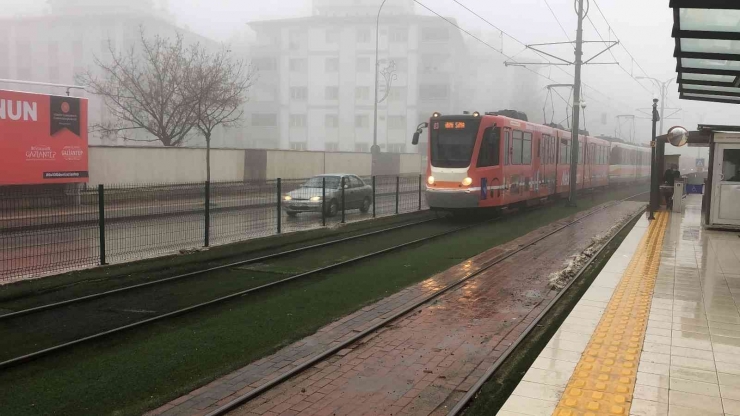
(145,90)
(219,85)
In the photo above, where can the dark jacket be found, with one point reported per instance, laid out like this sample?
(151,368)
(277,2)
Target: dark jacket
(669,177)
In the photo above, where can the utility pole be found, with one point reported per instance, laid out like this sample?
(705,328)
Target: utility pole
(663,87)
(576,109)
(375,149)
(654,173)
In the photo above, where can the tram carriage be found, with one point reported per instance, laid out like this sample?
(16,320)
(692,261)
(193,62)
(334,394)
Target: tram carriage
(491,160)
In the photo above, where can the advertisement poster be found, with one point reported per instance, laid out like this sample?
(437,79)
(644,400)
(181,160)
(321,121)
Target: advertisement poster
(43,139)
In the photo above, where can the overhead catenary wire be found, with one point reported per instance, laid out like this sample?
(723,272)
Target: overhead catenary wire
(558,20)
(606,104)
(611,31)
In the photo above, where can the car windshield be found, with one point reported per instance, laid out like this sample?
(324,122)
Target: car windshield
(452,143)
(332,182)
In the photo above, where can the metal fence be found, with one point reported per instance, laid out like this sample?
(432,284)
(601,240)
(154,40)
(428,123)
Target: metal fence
(45,231)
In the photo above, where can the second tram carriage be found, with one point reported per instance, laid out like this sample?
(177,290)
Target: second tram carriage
(477,161)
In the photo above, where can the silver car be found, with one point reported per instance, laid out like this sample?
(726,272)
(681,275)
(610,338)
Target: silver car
(307,198)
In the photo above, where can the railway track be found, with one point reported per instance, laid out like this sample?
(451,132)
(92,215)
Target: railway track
(240,400)
(15,319)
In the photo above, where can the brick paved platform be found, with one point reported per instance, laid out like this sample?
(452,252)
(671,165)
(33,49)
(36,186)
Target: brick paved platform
(425,361)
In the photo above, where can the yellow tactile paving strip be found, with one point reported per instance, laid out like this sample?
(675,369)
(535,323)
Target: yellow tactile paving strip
(604,379)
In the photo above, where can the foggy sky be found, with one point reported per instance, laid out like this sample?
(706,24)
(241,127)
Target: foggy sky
(644,27)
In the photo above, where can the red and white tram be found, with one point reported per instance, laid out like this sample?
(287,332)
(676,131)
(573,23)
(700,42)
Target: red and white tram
(477,161)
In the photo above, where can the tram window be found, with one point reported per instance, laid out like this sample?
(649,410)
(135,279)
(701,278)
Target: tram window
(553,150)
(564,152)
(489,147)
(516,148)
(527,149)
(507,147)
(580,152)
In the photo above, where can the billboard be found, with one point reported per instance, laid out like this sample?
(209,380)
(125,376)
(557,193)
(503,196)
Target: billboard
(43,139)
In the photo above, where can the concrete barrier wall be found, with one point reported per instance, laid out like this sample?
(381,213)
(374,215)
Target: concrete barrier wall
(356,163)
(410,163)
(293,164)
(153,165)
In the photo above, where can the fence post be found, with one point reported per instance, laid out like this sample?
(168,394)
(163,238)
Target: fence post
(398,182)
(373,196)
(207,233)
(279,206)
(343,199)
(323,201)
(101,222)
(419,192)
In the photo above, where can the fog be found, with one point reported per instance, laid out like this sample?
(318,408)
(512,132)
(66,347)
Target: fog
(610,89)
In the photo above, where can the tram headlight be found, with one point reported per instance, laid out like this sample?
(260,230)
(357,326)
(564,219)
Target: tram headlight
(287,198)
(315,199)
(430,180)
(436,114)
(467,181)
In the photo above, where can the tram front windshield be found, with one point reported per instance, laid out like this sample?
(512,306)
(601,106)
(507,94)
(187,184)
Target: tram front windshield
(452,142)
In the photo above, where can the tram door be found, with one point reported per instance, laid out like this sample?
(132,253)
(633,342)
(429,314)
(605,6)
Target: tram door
(726,184)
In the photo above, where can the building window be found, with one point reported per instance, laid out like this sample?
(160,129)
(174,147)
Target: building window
(362,147)
(54,73)
(298,93)
(362,121)
(331,121)
(396,148)
(298,120)
(397,94)
(332,36)
(362,93)
(331,93)
(264,120)
(402,64)
(331,147)
(294,40)
(364,65)
(397,122)
(331,65)
(297,65)
(363,35)
(434,91)
(298,146)
(434,34)
(265,64)
(399,34)
(431,63)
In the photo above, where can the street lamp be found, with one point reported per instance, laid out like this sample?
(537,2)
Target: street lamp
(663,87)
(375,149)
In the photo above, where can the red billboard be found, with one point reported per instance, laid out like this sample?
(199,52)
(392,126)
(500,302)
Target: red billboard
(43,138)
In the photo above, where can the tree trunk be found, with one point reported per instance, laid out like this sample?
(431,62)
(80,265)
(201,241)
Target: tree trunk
(208,158)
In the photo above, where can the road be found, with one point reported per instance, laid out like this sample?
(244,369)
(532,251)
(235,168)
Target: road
(43,250)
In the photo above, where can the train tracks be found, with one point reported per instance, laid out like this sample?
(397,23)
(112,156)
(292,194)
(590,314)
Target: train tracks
(329,352)
(35,316)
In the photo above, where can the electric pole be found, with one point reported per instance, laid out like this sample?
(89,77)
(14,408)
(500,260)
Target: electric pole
(663,87)
(576,109)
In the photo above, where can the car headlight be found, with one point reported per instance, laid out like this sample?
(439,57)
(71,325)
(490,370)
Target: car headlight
(287,198)
(467,181)
(430,180)
(315,199)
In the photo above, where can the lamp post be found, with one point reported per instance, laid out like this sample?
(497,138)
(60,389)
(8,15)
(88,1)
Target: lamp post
(375,149)
(663,87)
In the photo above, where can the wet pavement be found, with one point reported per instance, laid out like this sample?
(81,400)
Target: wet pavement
(424,362)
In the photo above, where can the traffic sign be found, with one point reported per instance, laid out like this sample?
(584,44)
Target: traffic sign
(699,163)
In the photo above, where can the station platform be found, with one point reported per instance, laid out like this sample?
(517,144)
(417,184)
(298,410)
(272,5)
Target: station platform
(657,333)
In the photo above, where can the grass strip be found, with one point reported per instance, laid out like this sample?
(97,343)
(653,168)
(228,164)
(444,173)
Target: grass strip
(136,371)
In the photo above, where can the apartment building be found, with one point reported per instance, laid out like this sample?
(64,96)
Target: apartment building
(316,77)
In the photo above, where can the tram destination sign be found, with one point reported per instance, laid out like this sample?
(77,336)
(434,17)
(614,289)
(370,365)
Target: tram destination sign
(43,138)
